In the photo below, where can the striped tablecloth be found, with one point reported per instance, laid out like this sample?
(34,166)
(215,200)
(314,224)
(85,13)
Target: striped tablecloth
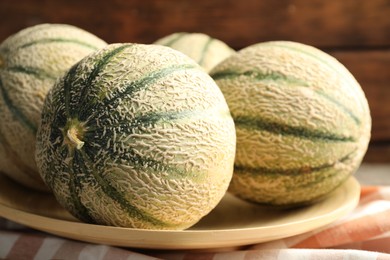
(363,234)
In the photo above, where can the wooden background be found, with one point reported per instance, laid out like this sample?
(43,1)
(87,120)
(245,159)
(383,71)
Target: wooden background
(357,32)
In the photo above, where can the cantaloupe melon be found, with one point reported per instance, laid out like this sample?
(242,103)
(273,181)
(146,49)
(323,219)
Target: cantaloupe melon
(202,48)
(303,122)
(30,62)
(137,136)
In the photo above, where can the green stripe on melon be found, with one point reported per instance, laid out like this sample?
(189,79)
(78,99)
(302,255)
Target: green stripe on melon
(302,121)
(30,62)
(137,136)
(205,50)
(35,72)
(288,130)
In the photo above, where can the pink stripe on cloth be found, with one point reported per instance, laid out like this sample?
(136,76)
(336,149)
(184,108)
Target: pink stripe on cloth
(368,190)
(356,230)
(69,250)
(369,220)
(370,194)
(42,246)
(363,234)
(262,254)
(198,256)
(116,253)
(381,244)
(25,247)
(282,254)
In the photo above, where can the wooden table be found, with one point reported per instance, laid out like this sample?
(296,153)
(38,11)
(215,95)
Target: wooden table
(355,32)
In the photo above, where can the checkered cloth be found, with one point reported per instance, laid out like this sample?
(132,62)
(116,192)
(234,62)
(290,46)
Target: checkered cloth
(363,234)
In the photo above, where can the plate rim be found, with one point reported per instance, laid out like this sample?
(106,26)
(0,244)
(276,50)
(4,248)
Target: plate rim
(140,238)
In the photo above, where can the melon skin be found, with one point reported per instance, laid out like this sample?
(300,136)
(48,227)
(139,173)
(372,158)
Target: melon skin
(302,120)
(205,50)
(137,136)
(30,62)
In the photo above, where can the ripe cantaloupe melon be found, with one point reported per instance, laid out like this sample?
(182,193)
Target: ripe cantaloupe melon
(137,136)
(30,62)
(205,50)
(302,120)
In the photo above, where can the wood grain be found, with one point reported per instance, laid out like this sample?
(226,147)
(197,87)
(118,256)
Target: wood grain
(355,32)
(372,70)
(240,23)
(378,152)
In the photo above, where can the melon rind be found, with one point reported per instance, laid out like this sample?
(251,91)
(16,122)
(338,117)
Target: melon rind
(205,50)
(302,120)
(158,140)
(30,62)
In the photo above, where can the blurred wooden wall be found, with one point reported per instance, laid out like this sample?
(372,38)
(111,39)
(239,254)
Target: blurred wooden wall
(357,32)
